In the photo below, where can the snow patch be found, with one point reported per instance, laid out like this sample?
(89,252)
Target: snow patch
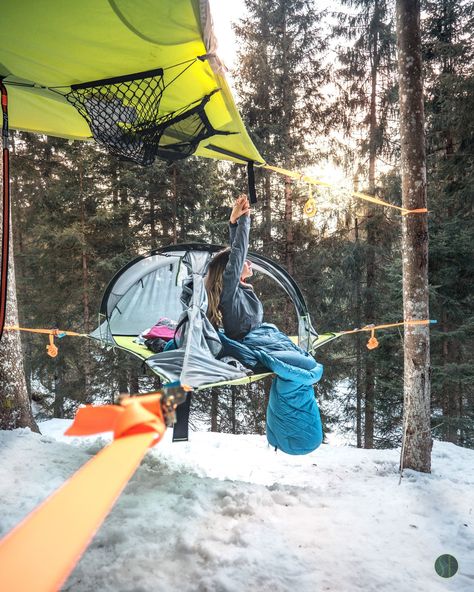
(225,513)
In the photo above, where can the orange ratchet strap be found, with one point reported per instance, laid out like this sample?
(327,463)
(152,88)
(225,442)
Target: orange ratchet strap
(39,554)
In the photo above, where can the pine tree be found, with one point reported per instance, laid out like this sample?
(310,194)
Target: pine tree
(280,77)
(365,112)
(449,71)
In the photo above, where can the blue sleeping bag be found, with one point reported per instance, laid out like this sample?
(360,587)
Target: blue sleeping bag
(293,419)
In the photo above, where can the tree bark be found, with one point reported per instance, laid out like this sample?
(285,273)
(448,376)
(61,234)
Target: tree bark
(175,206)
(267,216)
(416,452)
(289,249)
(214,410)
(153,233)
(232,410)
(358,344)
(450,389)
(134,385)
(122,378)
(58,405)
(85,286)
(15,406)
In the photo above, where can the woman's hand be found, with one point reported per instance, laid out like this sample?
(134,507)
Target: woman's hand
(241,208)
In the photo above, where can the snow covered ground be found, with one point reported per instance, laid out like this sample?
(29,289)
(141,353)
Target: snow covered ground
(225,513)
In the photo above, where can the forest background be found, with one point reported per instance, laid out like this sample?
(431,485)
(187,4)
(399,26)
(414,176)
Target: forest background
(316,89)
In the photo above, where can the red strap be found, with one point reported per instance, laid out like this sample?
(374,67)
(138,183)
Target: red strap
(5,243)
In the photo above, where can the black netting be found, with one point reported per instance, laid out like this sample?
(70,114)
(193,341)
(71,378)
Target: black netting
(123,115)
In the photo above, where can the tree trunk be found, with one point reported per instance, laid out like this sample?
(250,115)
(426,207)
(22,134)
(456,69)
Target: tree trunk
(232,410)
(369,410)
(214,410)
(122,378)
(289,250)
(15,406)
(19,271)
(417,443)
(153,233)
(58,405)
(85,349)
(450,390)
(358,344)
(267,216)
(134,385)
(175,207)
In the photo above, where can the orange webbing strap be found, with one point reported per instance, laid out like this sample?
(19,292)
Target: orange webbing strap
(388,325)
(311,180)
(45,331)
(39,554)
(51,348)
(373,343)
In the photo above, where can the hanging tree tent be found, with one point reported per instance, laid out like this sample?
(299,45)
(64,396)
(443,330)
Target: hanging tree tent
(141,78)
(151,287)
(158,90)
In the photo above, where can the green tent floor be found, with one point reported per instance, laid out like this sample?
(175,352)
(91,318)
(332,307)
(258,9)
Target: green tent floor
(127,343)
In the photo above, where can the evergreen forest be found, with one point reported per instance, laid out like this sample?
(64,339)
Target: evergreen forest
(318,91)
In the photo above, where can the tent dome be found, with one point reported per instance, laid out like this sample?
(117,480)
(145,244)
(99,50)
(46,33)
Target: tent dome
(151,287)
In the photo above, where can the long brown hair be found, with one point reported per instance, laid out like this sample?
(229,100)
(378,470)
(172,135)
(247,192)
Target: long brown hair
(214,284)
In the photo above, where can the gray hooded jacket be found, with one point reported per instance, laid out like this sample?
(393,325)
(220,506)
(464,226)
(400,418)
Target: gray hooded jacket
(241,310)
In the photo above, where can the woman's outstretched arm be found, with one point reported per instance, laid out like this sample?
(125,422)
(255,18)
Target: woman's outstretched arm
(241,207)
(239,229)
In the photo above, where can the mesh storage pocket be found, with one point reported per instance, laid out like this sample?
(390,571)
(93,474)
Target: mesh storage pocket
(123,115)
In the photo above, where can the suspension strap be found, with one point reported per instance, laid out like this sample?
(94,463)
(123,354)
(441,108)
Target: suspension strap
(181,425)
(371,198)
(51,348)
(5,208)
(251,183)
(373,342)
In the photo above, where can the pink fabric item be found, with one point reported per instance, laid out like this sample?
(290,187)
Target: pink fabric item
(164,328)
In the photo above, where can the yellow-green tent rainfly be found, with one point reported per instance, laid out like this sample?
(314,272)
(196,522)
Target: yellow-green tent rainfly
(47,47)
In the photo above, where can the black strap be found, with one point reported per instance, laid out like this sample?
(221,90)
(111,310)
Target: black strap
(251,180)
(181,426)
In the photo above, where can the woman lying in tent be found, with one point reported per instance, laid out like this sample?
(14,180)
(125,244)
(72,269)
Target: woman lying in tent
(293,420)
